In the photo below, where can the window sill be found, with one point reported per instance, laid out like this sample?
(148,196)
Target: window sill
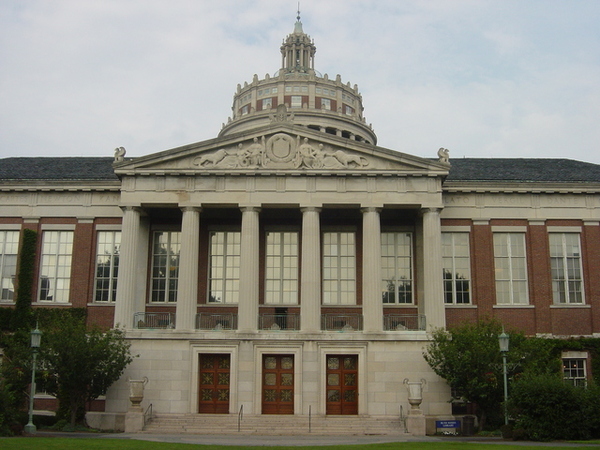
(51,304)
(514,306)
(571,305)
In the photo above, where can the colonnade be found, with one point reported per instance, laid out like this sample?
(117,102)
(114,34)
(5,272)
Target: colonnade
(128,301)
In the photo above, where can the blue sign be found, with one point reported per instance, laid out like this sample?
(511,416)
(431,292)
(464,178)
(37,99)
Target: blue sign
(447,423)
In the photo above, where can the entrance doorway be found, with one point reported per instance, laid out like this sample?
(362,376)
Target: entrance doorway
(278,384)
(342,384)
(214,383)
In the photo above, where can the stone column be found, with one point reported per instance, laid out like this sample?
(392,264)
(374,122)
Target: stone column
(371,264)
(433,291)
(248,299)
(187,289)
(125,304)
(310,302)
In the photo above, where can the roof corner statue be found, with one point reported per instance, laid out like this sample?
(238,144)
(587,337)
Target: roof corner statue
(120,154)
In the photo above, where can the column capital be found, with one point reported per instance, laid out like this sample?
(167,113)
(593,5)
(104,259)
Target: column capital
(132,208)
(369,209)
(428,210)
(190,208)
(316,209)
(249,208)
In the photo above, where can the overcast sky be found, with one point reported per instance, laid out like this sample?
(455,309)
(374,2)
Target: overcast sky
(498,78)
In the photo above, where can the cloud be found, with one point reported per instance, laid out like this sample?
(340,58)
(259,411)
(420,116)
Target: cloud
(479,77)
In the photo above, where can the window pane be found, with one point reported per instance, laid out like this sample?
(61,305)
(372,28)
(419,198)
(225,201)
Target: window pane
(55,266)
(510,268)
(565,265)
(457,267)
(165,265)
(224,267)
(9,244)
(339,272)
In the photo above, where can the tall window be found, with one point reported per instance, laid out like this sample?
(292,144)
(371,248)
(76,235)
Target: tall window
(9,248)
(55,272)
(224,275)
(565,263)
(339,268)
(107,266)
(574,371)
(281,280)
(457,268)
(165,266)
(511,269)
(326,104)
(396,268)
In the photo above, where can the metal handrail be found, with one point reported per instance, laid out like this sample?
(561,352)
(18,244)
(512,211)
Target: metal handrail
(148,414)
(216,322)
(154,320)
(276,322)
(404,322)
(341,322)
(240,417)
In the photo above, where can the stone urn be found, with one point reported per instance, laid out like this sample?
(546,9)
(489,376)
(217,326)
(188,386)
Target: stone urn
(415,392)
(136,392)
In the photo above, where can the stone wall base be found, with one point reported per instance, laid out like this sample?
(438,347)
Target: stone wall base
(106,421)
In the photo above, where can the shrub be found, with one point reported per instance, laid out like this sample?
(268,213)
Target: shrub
(547,408)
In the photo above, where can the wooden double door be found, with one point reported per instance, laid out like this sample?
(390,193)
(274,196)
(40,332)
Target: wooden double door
(278,384)
(214,389)
(342,384)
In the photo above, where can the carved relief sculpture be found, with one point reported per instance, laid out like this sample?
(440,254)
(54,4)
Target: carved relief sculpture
(280,151)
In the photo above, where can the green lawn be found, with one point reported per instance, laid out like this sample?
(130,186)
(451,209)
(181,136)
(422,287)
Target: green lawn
(37,443)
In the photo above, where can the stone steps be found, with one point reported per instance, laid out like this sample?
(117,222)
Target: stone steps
(273,424)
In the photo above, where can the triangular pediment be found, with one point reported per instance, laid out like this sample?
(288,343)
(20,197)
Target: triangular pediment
(281,149)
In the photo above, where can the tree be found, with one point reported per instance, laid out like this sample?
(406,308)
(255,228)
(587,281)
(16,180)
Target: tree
(80,364)
(468,357)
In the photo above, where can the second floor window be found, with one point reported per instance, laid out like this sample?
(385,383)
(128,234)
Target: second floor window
(224,267)
(339,268)
(457,268)
(55,270)
(396,268)
(565,264)
(165,266)
(9,248)
(511,269)
(107,266)
(281,274)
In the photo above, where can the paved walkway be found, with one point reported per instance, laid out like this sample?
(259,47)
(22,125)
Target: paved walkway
(306,440)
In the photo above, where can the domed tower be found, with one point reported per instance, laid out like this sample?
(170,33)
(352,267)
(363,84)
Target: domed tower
(311,100)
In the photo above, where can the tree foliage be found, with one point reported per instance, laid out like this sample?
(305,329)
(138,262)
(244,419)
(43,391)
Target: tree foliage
(22,316)
(547,408)
(80,364)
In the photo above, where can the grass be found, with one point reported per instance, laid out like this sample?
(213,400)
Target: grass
(85,443)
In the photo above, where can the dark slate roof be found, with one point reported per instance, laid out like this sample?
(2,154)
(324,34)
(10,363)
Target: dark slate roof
(57,168)
(530,170)
(462,169)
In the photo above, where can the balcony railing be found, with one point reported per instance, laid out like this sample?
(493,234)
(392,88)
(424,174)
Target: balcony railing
(154,320)
(216,322)
(341,322)
(404,322)
(276,322)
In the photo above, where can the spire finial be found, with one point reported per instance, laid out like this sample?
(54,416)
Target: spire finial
(298,16)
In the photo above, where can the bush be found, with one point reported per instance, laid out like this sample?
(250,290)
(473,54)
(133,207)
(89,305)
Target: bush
(547,408)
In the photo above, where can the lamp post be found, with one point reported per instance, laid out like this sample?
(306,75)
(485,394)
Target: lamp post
(503,341)
(36,338)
